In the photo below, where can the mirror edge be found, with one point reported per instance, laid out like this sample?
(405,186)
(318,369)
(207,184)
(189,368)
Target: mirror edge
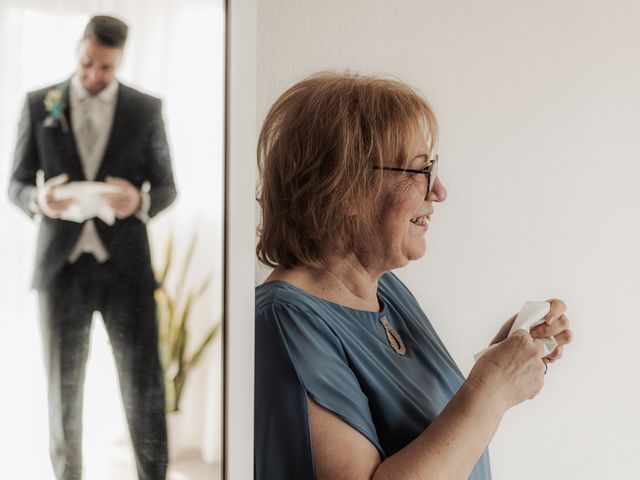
(239,237)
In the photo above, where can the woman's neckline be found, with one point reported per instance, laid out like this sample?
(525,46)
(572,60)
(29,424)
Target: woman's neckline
(344,281)
(383,306)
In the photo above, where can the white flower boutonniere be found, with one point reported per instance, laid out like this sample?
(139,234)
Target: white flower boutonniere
(55,102)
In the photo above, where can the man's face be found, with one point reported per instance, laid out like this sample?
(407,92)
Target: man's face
(97,64)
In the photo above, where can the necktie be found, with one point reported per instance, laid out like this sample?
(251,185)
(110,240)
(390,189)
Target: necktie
(88,138)
(88,130)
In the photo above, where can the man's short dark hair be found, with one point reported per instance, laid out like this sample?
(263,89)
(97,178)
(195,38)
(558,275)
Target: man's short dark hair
(107,31)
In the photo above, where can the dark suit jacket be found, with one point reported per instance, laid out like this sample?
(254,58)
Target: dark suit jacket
(137,151)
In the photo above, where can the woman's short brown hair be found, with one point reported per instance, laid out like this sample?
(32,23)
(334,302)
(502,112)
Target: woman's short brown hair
(316,152)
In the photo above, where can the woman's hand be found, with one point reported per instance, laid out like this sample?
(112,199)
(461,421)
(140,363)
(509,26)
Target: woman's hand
(556,325)
(504,331)
(512,371)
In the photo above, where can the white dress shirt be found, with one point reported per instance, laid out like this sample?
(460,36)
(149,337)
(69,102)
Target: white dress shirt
(99,110)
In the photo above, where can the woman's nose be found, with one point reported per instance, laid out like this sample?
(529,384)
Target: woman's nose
(438,193)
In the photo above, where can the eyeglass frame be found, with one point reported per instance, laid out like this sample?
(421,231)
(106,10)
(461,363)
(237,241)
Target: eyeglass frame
(430,171)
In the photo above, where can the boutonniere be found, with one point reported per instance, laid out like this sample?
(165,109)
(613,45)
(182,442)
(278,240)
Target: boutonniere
(54,102)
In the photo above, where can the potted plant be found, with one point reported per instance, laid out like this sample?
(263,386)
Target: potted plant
(174,309)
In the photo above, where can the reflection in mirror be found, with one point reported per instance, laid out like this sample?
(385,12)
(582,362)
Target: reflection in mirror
(112,360)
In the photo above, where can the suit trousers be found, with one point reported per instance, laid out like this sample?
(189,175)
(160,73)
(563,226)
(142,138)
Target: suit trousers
(129,313)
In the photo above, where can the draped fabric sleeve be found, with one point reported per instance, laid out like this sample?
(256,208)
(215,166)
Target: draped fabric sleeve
(298,354)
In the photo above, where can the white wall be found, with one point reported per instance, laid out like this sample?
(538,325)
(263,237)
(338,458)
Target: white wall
(538,105)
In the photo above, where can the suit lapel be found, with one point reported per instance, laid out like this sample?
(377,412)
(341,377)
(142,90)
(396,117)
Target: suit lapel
(120,130)
(68,140)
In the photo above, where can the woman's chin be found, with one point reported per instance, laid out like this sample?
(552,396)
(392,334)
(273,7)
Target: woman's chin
(418,251)
(409,255)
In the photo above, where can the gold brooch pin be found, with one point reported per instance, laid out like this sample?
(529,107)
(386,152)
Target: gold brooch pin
(393,337)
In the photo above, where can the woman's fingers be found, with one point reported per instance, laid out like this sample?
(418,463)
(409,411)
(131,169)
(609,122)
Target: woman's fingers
(558,308)
(555,355)
(519,361)
(557,328)
(504,331)
(563,338)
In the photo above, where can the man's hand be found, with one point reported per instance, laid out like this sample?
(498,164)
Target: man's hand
(44,197)
(127,201)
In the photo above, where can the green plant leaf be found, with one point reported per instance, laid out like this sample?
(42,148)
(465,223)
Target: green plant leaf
(203,286)
(182,335)
(168,257)
(178,382)
(170,398)
(186,265)
(173,321)
(173,328)
(193,361)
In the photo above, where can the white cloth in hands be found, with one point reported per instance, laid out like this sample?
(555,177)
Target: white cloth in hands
(87,201)
(531,315)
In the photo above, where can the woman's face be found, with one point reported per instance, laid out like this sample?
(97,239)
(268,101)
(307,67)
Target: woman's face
(405,211)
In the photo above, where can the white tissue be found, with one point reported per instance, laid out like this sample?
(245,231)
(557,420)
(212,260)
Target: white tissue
(531,315)
(87,201)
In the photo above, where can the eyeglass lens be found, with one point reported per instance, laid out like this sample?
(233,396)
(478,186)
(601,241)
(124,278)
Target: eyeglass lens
(432,174)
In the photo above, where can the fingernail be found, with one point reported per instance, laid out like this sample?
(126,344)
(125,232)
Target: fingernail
(549,319)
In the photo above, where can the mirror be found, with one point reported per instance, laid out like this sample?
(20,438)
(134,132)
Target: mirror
(174,51)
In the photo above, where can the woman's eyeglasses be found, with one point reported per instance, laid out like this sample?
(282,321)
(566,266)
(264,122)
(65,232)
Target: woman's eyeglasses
(430,172)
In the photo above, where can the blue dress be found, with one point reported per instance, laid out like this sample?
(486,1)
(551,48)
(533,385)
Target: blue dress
(343,360)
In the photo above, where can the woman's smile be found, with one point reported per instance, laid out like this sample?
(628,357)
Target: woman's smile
(422,221)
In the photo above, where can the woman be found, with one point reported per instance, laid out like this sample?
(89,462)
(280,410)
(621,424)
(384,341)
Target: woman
(352,381)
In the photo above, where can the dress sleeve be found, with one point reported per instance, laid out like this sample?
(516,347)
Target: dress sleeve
(297,354)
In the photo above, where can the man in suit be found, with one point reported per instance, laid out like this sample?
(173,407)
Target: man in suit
(93,128)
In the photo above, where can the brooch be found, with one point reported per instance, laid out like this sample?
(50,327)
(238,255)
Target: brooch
(393,337)
(54,102)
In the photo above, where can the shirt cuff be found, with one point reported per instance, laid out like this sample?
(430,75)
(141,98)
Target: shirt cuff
(33,202)
(143,212)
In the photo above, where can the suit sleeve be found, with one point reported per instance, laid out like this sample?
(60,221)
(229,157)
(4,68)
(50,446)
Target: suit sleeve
(26,163)
(158,169)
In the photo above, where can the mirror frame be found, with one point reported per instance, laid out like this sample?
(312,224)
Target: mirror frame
(239,238)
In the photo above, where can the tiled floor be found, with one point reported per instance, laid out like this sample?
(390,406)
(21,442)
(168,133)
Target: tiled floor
(120,465)
(193,468)
(188,467)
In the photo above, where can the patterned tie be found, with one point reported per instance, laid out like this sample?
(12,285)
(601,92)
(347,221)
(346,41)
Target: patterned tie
(89,133)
